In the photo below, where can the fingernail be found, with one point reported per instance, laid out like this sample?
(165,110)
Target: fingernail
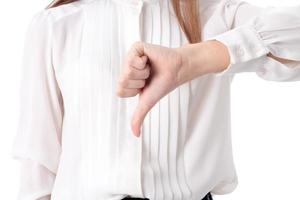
(137,134)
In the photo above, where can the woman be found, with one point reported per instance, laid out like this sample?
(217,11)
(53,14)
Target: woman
(88,84)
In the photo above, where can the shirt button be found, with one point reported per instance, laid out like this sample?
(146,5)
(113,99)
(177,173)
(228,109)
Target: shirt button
(228,4)
(240,51)
(136,2)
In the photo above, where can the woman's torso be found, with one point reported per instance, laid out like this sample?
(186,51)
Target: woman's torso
(185,145)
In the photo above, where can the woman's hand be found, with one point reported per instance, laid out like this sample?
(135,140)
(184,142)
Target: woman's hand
(154,71)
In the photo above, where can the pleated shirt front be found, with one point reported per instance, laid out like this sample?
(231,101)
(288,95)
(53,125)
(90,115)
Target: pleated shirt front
(73,123)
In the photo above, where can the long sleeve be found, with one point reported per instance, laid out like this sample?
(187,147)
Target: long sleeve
(38,137)
(254,33)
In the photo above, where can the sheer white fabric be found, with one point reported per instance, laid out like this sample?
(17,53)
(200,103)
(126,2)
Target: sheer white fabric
(74,138)
(36,181)
(264,30)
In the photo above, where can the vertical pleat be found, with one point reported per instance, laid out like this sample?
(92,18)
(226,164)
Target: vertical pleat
(156,135)
(98,137)
(87,72)
(183,94)
(152,142)
(173,143)
(113,101)
(174,126)
(129,147)
(164,106)
(106,135)
(184,103)
(97,101)
(147,170)
(164,134)
(118,118)
(105,75)
(88,97)
(149,181)
(77,101)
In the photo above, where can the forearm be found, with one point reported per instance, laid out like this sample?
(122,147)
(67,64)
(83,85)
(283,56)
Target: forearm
(202,58)
(211,56)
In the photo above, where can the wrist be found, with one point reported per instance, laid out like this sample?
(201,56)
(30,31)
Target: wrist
(190,62)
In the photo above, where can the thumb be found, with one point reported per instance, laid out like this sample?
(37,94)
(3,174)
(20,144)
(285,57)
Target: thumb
(138,116)
(150,94)
(145,103)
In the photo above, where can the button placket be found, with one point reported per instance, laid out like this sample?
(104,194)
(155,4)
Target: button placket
(140,24)
(133,34)
(132,23)
(137,16)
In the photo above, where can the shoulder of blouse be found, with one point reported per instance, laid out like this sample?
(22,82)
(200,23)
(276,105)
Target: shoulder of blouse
(50,16)
(55,14)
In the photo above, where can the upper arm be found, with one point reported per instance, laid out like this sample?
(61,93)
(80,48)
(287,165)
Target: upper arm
(41,105)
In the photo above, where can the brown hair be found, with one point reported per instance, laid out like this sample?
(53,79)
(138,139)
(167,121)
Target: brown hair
(186,11)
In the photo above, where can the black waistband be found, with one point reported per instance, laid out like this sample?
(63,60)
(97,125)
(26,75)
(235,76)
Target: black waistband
(207,197)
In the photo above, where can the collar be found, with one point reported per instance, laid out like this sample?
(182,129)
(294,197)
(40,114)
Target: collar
(136,2)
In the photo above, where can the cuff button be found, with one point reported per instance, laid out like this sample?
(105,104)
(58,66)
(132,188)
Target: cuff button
(240,51)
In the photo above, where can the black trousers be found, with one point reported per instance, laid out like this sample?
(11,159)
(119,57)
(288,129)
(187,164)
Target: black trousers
(207,197)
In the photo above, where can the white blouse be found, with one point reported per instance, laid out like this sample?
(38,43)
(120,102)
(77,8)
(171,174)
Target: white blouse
(74,137)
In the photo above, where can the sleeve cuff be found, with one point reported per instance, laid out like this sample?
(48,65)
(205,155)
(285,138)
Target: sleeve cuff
(36,181)
(244,44)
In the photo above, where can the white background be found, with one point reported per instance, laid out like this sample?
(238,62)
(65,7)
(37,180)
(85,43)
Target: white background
(265,118)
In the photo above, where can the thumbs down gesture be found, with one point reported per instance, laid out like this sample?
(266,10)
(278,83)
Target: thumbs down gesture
(152,71)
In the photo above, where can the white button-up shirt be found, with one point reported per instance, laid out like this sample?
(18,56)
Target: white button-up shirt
(74,137)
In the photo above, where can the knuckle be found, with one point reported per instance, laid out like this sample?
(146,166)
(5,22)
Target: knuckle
(137,43)
(122,81)
(130,61)
(119,93)
(132,93)
(136,46)
(129,74)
